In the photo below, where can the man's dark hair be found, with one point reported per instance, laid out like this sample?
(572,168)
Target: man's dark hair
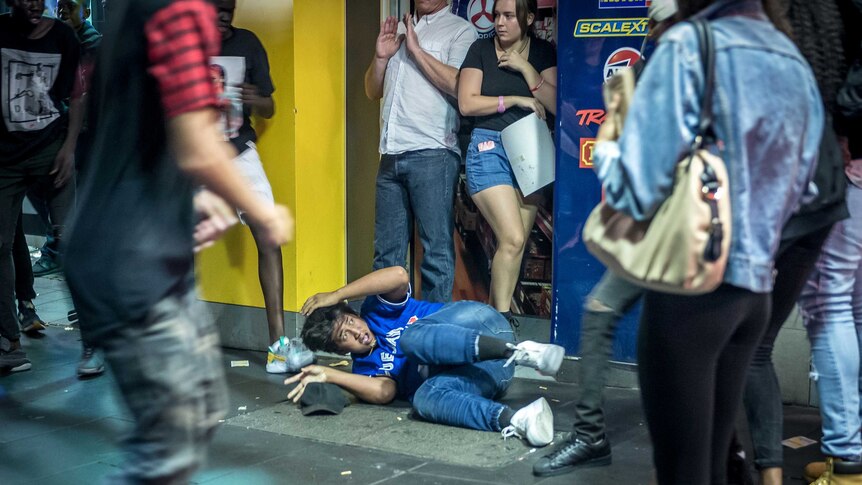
(819,31)
(775,10)
(317,331)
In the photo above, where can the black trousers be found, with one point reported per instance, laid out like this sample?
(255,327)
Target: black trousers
(14,181)
(693,355)
(762,396)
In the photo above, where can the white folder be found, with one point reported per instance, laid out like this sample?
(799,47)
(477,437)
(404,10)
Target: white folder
(530,149)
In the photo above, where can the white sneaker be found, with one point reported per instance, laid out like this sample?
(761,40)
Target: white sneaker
(276,358)
(546,358)
(533,422)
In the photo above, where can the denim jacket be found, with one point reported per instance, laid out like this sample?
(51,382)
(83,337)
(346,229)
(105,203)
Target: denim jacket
(768,123)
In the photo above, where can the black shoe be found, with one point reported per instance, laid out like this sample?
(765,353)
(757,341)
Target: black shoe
(513,322)
(14,361)
(28,319)
(576,453)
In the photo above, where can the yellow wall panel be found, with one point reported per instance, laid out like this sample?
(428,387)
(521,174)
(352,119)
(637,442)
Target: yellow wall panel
(320,138)
(302,149)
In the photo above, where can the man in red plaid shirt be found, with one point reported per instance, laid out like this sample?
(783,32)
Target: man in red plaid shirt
(153,138)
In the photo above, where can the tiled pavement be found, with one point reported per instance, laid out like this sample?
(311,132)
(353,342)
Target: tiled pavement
(56,429)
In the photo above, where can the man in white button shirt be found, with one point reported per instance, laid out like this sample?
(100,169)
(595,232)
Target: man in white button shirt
(415,72)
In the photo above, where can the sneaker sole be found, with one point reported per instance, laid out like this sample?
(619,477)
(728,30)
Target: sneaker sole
(593,463)
(21,367)
(35,326)
(91,372)
(553,360)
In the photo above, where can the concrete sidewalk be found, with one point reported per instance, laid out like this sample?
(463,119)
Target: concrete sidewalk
(57,429)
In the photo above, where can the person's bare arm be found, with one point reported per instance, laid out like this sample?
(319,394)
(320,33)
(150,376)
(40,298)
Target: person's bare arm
(472,103)
(374,390)
(443,76)
(201,152)
(546,81)
(388,43)
(391,283)
(64,163)
(263,106)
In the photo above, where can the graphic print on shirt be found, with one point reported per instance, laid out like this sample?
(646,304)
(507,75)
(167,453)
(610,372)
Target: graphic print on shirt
(27,81)
(392,337)
(228,73)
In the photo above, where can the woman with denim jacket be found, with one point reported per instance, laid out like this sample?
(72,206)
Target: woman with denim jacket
(694,350)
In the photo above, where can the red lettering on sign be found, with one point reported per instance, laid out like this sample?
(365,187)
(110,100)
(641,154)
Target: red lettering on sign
(587,117)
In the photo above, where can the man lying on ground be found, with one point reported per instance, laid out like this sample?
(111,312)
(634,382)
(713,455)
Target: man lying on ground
(449,360)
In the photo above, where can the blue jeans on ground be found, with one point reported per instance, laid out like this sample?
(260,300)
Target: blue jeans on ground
(169,369)
(422,184)
(460,389)
(831,303)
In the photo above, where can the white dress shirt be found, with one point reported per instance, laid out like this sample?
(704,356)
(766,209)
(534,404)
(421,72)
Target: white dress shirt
(415,114)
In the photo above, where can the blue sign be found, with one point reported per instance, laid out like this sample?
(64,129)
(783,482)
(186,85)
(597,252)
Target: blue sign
(624,3)
(592,43)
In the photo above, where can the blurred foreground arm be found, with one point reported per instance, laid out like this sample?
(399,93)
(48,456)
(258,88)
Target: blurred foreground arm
(197,144)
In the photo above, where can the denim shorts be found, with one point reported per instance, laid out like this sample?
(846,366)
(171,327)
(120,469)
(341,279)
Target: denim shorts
(489,166)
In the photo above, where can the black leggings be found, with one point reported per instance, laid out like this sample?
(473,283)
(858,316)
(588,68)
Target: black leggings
(693,355)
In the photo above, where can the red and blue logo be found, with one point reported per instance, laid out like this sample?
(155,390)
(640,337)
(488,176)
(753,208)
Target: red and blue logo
(480,15)
(620,59)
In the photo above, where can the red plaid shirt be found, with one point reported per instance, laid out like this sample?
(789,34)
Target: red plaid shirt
(181,38)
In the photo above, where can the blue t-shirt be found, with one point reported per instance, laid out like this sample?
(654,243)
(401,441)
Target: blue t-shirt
(387,320)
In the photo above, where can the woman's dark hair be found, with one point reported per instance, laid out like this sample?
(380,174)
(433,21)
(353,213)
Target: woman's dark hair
(775,10)
(818,31)
(316,334)
(523,9)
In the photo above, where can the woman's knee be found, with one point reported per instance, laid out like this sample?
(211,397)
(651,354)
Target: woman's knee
(511,242)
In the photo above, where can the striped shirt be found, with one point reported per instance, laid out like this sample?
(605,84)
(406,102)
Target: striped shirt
(180,40)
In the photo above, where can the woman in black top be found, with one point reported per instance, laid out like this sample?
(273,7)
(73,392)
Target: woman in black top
(504,79)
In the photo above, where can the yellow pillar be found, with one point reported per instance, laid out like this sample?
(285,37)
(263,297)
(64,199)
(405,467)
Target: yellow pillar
(302,149)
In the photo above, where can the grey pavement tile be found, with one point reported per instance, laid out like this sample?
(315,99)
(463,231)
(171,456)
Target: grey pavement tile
(58,296)
(387,428)
(517,473)
(44,455)
(416,478)
(92,473)
(42,410)
(306,462)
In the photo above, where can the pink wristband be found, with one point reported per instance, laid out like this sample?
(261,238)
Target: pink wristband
(500,106)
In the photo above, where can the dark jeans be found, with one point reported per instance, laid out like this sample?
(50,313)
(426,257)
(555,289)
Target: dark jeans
(693,355)
(54,207)
(610,300)
(21,259)
(762,398)
(169,370)
(460,389)
(421,184)
(15,179)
